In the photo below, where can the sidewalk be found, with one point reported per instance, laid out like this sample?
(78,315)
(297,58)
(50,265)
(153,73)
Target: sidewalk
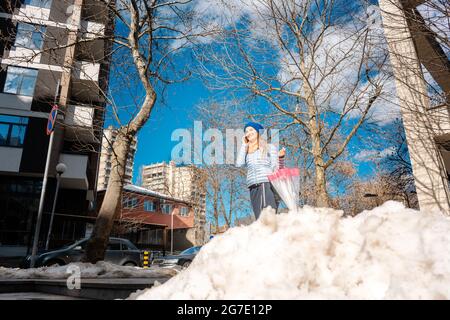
(57,289)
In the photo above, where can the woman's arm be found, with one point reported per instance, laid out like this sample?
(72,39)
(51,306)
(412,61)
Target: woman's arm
(240,161)
(273,157)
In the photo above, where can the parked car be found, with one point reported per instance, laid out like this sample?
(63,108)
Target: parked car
(119,251)
(183,259)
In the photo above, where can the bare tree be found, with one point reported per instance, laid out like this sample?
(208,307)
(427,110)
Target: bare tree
(153,32)
(147,39)
(227,195)
(397,169)
(315,65)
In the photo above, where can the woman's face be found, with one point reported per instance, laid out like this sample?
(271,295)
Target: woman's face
(251,134)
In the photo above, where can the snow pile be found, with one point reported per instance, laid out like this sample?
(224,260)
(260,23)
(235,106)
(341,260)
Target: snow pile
(387,253)
(87,270)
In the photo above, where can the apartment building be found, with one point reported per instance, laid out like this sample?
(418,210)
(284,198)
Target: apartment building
(43,63)
(414,47)
(184,182)
(109,136)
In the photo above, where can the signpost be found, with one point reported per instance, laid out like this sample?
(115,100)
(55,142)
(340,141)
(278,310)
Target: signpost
(50,131)
(52,119)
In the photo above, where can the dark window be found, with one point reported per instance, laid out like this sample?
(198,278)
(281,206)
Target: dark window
(113,246)
(149,206)
(12,130)
(166,208)
(128,246)
(184,211)
(130,203)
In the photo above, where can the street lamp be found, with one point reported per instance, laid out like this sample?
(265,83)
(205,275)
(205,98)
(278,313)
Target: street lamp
(60,169)
(171,233)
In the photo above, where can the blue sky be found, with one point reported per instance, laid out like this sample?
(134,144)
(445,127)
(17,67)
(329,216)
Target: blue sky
(154,139)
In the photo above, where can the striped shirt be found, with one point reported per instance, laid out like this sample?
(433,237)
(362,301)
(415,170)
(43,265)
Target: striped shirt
(258,166)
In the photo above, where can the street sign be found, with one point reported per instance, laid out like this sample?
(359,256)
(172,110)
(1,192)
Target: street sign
(52,119)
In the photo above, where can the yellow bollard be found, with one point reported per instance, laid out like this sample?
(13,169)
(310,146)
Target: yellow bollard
(146,261)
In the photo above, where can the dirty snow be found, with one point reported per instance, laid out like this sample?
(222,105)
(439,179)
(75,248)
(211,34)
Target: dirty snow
(386,253)
(87,270)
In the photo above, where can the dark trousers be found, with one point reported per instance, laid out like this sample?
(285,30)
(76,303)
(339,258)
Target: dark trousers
(263,195)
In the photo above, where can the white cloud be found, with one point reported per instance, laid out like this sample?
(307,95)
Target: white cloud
(335,64)
(373,155)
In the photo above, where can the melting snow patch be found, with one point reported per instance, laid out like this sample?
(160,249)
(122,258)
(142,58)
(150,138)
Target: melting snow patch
(386,253)
(87,270)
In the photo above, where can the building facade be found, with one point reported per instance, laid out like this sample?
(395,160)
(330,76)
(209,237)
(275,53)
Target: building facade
(42,63)
(413,46)
(147,219)
(109,136)
(184,182)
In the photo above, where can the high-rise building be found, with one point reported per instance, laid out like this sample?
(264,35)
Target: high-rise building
(39,49)
(184,182)
(109,136)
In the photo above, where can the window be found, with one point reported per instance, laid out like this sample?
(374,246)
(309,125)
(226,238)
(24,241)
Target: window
(128,246)
(20,81)
(149,206)
(46,4)
(184,211)
(130,203)
(30,36)
(166,208)
(113,246)
(12,131)
(192,250)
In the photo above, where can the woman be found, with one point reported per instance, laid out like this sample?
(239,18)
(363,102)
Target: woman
(261,159)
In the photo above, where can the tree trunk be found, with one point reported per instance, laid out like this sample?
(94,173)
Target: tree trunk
(315,126)
(322,199)
(111,205)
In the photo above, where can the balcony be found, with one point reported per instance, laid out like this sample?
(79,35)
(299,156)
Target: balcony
(85,87)
(93,49)
(11,157)
(440,120)
(79,121)
(75,175)
(91,30)
(13,101)
(24,55)
(84,70)
(79,115)
(32,12)
(94,10)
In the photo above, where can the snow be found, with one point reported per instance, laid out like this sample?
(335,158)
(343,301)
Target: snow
(87,270)
(386,253)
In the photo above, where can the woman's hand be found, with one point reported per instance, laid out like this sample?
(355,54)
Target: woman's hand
(244,141)
(282,153)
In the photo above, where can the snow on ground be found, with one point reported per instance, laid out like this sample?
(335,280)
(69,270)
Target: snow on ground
(87,270)
(387,253)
